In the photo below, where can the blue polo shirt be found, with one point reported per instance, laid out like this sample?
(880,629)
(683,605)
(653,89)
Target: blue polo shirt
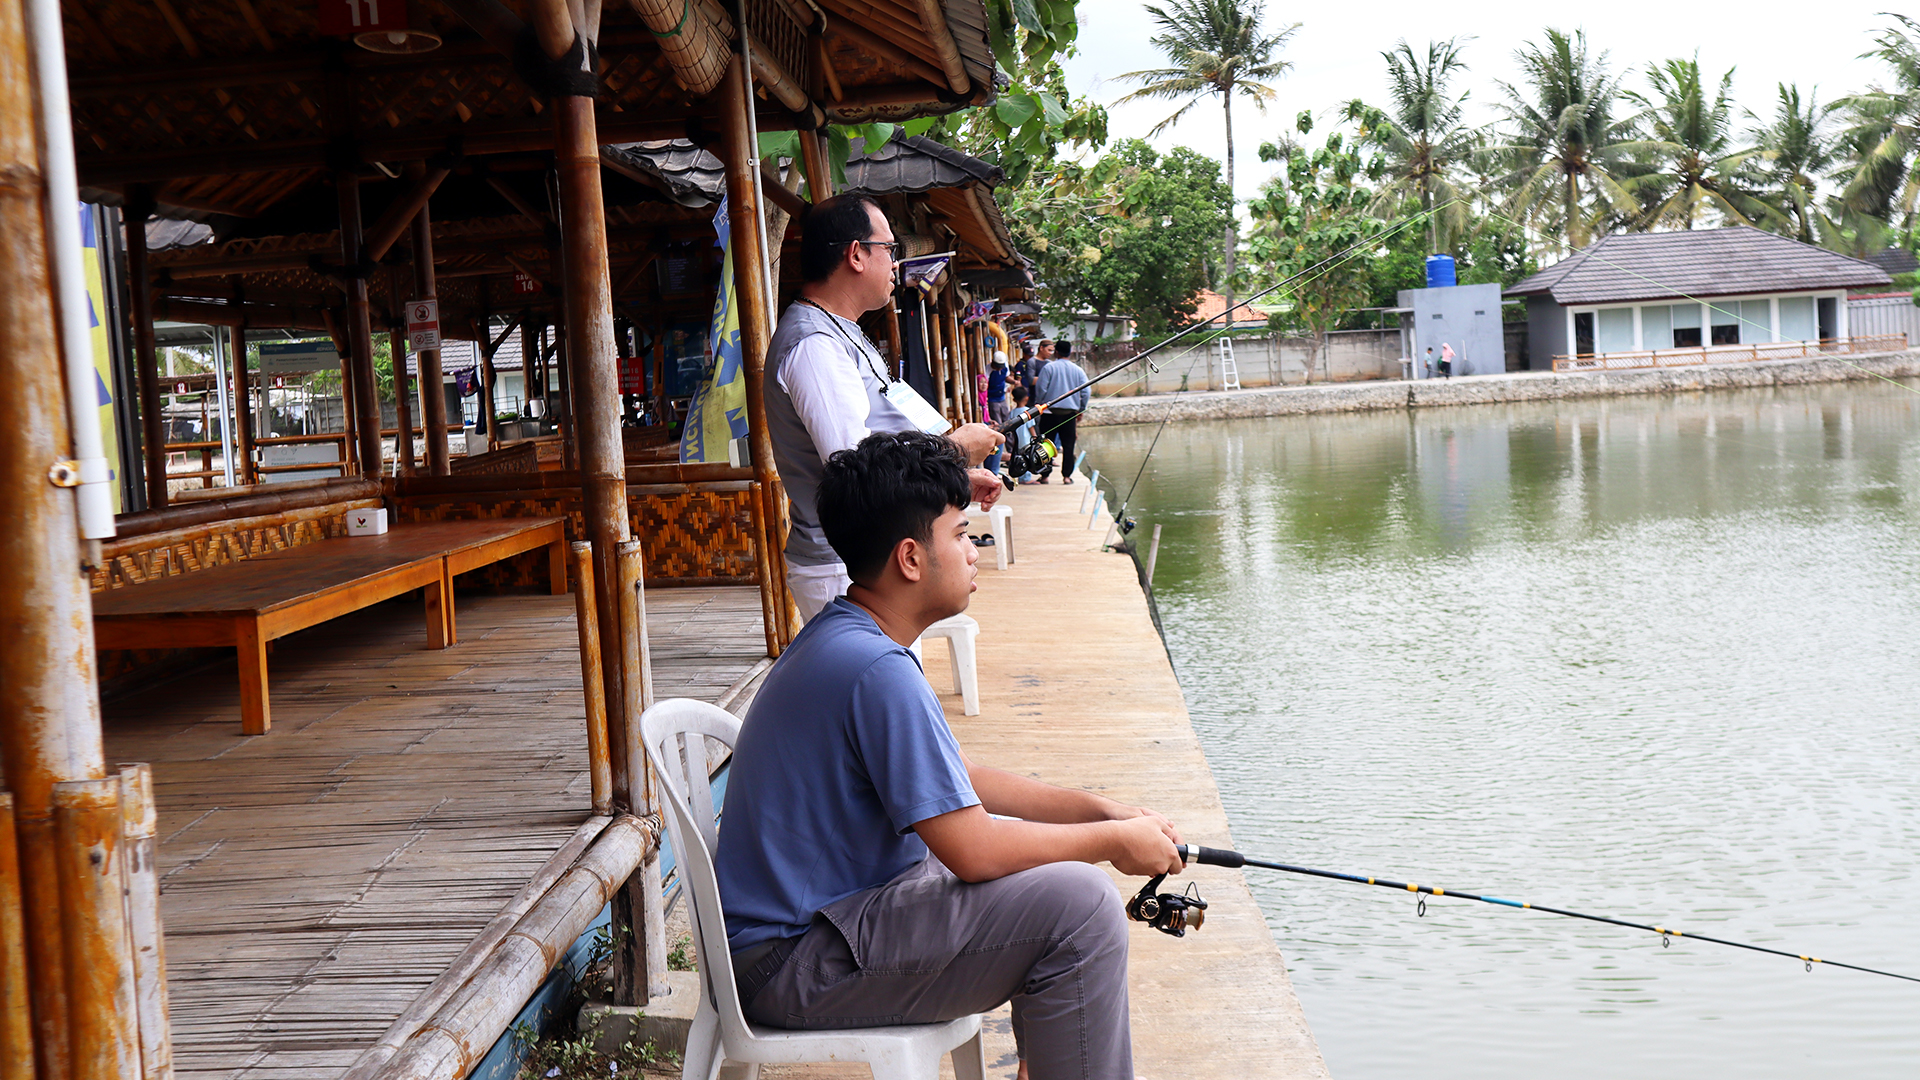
(844,750)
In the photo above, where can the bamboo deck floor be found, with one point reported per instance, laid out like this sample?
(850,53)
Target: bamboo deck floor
(1076,689)
(316,879)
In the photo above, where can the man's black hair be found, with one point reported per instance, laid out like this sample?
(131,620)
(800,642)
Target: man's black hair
(1062,349)
(892,486)
(829,228)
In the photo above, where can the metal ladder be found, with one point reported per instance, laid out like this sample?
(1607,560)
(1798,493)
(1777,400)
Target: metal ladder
(1229,371)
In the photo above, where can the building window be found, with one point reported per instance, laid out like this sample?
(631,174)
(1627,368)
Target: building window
(1656,326)
(1614,330)
(1726,323)
(1583,333)
(1797,319)
(1686,326)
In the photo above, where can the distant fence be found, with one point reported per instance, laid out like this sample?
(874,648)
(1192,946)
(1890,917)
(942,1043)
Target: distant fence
(1876,316)
(1264,360)
(1729,354)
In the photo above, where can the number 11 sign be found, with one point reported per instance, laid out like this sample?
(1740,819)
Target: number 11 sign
(344,18)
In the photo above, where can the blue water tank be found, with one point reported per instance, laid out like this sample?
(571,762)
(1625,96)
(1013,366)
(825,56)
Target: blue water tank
(1440,272)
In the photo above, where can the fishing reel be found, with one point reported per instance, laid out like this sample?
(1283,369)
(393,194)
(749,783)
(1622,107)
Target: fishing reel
(1169,913)
(1026,451)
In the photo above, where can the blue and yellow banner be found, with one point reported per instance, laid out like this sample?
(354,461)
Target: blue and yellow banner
(94,270)
(718,413)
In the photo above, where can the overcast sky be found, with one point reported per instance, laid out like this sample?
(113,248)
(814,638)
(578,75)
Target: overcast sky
(1336,56)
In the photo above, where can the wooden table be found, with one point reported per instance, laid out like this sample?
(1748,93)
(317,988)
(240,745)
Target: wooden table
(249,603)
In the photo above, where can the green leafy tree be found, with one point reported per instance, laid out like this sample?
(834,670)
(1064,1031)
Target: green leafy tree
(1698,162)
(1217,47)
(1314,220)
(1568,153)
(1425,139)
(1027,126)
(1797,146)
(1130,236)
(1883,134)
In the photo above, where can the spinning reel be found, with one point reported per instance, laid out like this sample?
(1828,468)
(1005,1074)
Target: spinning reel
(1169,913)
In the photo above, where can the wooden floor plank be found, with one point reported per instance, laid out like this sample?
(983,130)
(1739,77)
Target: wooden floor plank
(316,879)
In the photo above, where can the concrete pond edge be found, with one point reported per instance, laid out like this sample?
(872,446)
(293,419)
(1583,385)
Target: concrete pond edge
(1519,386)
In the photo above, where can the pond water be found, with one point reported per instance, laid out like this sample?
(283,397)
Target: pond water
(1647,657)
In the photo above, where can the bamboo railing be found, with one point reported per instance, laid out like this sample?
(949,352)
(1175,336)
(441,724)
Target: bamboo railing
(1729,354)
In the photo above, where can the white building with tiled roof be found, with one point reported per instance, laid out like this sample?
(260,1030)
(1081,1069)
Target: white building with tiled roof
(1637,292)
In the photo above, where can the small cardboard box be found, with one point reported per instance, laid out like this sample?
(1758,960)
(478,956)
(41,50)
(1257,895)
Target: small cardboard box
(367,522)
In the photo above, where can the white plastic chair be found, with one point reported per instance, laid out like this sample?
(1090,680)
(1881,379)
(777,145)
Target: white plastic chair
(1000,523)
(673,731)
(961,631)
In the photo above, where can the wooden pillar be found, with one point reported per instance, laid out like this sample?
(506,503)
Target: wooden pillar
(530,364)
(49,697)
(433,393)
(936,352)
(485,348)
(402,400)
(756,322)
(359,328)
(146,361)
(813,159)
(896,348)
(243,402)
(569,434)
(102,1013)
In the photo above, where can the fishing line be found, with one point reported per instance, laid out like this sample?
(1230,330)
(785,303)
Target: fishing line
(1219,857)
(1341,257)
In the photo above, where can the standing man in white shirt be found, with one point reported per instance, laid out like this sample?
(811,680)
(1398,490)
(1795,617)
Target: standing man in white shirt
(827,386)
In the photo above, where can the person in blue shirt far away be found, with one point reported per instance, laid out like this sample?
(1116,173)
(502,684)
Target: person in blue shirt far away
(865,875)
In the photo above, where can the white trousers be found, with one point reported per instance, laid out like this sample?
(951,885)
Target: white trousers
(814,587)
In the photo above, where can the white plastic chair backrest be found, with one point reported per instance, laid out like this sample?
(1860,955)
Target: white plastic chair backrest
(673,731)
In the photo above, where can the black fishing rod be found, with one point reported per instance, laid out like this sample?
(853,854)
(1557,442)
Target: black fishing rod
(1176,913)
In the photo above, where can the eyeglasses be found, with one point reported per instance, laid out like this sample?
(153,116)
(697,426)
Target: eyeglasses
(894,248)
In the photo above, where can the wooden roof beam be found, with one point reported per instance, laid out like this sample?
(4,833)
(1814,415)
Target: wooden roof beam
(941,37)
(381,237)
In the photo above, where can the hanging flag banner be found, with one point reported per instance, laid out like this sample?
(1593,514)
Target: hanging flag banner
(978,310)
(95,271)
(925,272)
(718,413)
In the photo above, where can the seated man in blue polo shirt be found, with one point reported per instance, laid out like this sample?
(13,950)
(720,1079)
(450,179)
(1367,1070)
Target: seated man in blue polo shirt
(864,878)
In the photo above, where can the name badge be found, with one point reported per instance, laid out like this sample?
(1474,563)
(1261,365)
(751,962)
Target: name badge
(915,408)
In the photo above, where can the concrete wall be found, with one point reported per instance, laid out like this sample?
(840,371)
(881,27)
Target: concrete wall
(1273,360)
(1464,316)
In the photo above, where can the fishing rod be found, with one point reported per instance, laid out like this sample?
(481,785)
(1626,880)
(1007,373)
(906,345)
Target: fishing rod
(1176,913)
(1032,453)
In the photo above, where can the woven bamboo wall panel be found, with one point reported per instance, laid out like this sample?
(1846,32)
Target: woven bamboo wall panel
(219,544)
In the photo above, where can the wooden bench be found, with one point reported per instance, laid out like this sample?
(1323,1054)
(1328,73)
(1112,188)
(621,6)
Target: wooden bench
(247,604)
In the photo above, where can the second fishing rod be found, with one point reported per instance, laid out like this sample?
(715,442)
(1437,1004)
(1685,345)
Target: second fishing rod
(1029,452)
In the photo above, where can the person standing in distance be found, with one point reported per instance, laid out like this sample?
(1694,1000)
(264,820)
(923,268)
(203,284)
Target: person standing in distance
(827,387)
(1446,360)
(1067,381)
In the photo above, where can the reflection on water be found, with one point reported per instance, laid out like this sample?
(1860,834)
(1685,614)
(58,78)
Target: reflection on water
(1646,657)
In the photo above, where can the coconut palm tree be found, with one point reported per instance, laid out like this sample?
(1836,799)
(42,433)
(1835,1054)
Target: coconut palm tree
(1568,154)
(1698,163)
(1884,131)
(1216,47)
(1796,147)
(1423,137)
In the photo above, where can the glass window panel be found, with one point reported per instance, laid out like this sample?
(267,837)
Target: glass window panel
(1756,321)
(1615,331)
(1796,318)
(1686,317)
(1656,326)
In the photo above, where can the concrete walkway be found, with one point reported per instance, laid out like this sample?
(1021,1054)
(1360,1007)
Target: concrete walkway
(1491,389)
(1076,689)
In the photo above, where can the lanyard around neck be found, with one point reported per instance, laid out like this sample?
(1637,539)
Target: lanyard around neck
(866,354)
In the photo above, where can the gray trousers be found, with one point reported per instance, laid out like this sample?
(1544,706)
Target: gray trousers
(927,947)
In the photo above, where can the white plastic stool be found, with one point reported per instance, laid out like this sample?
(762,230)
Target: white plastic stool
(1000,523)
(960,632)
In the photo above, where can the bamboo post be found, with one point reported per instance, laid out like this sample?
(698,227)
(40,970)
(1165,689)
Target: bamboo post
(102,1017)
(599,763)
(642,893)
(359,328)
(402,401)
(896,348)
(756,321)
(763,566)
(813,158)
(16,1017)
(49,699)
(530,365)
(433,394)
(146,362)
(931,319)
(140,851)
(243,403)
